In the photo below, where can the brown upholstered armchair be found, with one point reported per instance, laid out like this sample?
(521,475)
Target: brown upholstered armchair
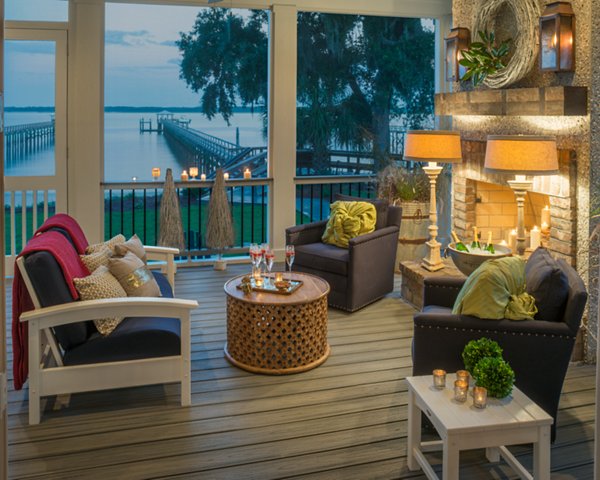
(360,274)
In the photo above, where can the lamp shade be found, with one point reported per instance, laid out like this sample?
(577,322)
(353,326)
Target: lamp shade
(432,146)
(521,155)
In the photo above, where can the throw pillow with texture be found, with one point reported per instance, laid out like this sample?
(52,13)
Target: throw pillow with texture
(133,245)
(101,284)
(110,244)
(348,220)
(381,207)
(548,284)
(496,290)
(97,259)
(134,276)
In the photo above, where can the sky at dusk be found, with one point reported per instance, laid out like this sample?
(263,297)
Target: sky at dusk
(142,60)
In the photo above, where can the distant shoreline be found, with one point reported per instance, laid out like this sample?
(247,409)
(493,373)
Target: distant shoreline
(125,109)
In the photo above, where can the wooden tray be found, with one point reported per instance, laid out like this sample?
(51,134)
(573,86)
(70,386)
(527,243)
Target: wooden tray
(269,288)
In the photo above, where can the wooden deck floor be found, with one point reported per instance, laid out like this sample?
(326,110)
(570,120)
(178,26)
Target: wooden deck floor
(345,419)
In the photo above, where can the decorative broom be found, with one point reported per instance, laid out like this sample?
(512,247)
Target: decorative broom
(170,226)
(219,231)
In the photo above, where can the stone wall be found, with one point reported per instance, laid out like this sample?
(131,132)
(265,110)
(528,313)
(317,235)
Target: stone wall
(580,135)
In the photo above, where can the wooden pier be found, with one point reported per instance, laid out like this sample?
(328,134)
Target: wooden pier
(23,139)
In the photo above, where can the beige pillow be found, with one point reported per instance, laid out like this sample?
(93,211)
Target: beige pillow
(109,244)
(101,284)
(97,259)
(134,276)
(133,245)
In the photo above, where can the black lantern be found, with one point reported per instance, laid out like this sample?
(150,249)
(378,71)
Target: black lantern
(457,41)
(557,38)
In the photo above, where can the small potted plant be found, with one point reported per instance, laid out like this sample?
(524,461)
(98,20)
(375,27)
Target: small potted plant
(496,375)
(409,189)
(476,350)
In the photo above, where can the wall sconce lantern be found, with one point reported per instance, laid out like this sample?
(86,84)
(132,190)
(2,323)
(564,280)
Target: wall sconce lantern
(458,40)
(557,38)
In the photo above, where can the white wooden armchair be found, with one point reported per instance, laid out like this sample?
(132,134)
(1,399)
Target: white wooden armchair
(151,346)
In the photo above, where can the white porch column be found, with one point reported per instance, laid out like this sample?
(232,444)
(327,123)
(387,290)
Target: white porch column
(282,123)
(86,116)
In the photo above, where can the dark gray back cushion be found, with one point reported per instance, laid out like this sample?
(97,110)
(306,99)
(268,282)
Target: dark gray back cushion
(576,297)
(51,289)
(381,207)
(548,284)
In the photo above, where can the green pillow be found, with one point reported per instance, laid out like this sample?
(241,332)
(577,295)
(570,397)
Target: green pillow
(348,220)
(496,290)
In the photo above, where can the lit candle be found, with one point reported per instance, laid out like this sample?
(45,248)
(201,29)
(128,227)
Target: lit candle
(534,238)
(226,176)
(155,173)
(479,397)
(258,279)
(512,240)
(439,378)
(203,177)
(503,243)
(134,179)
(247,174)
(545,228)
(193,172)
(463,375)
(460,390)
(546,216)
(184,176)
(278,276)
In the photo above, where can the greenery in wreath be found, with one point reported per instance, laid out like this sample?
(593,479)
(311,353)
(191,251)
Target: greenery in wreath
(483,358)
(475,350)
(484,58)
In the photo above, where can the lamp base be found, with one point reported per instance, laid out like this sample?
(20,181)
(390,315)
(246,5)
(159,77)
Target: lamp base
(433,261)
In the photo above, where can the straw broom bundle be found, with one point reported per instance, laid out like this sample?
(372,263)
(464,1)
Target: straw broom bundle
(219,231)
(170,226)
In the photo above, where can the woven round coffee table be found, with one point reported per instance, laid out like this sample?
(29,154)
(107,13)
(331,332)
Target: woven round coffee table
(278,334)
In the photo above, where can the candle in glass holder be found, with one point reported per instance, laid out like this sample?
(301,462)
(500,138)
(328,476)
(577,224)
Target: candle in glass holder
(155,173)
(546,215)
(463,375)
(193,172)
(226,176)
(247,174)
(258,279)
(278,276)
(439,378)
(184,176)
(461,388)
(203,177)
(479,397)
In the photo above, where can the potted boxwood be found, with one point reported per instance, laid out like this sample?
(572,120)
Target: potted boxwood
(483,358)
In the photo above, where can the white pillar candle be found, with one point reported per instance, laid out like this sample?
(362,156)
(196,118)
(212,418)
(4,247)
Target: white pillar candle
(247,174)
(203,177)
(512,240)
(226,176)
(184,176)
(534,238)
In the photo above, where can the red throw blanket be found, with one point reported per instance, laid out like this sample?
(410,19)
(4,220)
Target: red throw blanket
(70,225)
(72,267)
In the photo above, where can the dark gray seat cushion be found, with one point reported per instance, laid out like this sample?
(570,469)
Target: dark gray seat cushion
(322,256)
(548,284)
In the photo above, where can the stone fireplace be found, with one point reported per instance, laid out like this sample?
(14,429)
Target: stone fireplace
(486,201)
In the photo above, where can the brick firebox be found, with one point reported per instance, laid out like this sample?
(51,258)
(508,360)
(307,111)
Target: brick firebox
(560,190)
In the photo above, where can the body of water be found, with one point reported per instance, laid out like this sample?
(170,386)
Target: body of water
(129,153)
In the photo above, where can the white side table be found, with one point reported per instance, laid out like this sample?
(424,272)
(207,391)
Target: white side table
(509,421)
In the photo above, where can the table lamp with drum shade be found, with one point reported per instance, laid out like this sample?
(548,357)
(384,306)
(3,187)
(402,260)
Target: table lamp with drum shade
(521,155)
(432,146)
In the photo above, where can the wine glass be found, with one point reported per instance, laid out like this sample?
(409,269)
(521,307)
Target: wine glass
(254,255)
(263,250)
(269,259)
(290,254)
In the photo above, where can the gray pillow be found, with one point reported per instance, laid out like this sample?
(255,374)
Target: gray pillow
(548,284)
(381,207)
